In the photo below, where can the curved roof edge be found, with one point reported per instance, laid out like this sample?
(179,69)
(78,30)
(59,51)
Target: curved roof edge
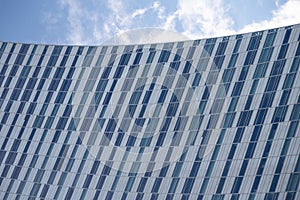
(190,40)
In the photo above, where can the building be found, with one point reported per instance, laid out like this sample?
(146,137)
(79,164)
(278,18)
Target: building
(215,118)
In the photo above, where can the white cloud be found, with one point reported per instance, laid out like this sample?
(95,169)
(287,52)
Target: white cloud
(74,16)
(116,17)
(204,18)
(89,25)
(197,18)
(210,18)
(156,4)
(97,33)
(157,7)
(286,14)
(120,19)
(170,21)
(139,12)
(123,24)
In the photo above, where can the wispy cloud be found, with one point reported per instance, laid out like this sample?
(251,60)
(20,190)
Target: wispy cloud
(99,20)
(74,16)
(159,9)
(139,12)
(285,14)
(122,19)
(209,18)
(170,21)
(277,3)
(204,18)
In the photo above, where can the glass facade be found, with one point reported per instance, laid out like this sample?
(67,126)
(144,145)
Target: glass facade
(216,118)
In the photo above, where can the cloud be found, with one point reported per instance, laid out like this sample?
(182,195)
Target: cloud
(210,18)
(204,18)
(98,21)
(170,21)
(157,7)
(285,14)
(139,12)
(92,23)
(278,2)
(74,16)
(120,18)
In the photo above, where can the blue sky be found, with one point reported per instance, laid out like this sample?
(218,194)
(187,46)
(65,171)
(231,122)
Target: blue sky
(94,21)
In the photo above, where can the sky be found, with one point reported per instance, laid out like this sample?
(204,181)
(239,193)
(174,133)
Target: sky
(84,22)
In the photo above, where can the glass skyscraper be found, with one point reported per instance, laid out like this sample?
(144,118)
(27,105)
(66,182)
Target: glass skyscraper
(214,118)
